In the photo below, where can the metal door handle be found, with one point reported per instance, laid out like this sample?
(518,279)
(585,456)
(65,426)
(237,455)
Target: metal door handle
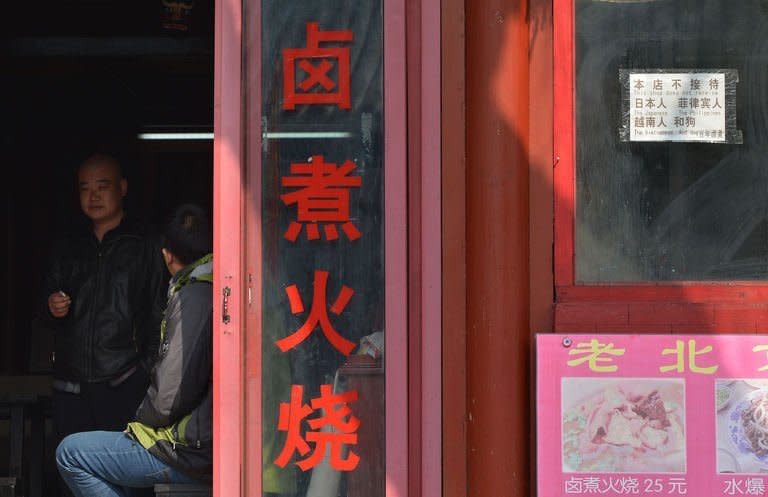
(225,305)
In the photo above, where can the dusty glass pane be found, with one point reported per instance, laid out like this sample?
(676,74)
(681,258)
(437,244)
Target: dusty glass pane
(669,211)
(323,247)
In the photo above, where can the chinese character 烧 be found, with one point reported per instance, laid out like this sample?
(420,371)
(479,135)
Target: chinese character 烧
(336,428)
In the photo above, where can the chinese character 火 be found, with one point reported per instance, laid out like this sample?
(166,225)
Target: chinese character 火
(318,315)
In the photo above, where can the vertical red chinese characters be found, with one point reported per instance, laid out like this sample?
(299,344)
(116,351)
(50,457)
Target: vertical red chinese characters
(319,192)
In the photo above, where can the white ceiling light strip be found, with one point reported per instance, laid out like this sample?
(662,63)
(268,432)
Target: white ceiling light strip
(175,136)
(274,135)
(293,135)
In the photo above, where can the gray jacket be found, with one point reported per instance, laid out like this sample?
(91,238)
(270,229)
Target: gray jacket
(174,421)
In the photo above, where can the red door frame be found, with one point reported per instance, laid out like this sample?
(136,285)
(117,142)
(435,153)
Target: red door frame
(422,38)
(396,255)
(228,201)
(413,382)
(686,306)
(454,279)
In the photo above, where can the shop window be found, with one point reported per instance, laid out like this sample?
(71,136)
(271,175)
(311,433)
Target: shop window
(322,248)
(680,207)
(664,203)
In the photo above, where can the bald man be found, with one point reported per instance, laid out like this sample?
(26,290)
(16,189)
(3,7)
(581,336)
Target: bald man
(105,290)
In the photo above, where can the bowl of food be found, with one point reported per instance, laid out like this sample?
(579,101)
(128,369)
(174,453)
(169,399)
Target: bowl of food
(748,425)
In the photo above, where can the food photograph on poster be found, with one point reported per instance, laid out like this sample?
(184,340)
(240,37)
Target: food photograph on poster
(615,425)
(742,425)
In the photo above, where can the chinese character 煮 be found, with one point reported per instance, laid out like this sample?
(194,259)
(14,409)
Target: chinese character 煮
(322,196)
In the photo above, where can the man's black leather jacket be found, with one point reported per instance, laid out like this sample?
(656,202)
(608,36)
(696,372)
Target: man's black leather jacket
(117,287)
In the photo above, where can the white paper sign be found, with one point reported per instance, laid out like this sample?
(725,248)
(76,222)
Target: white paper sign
(677,107)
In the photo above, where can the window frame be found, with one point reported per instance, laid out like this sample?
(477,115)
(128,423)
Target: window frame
(657,306)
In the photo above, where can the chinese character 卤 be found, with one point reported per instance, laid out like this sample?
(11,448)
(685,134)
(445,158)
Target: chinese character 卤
(317,62)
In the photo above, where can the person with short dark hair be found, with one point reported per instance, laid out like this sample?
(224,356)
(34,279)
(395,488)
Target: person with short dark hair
(170,440)
(103,296)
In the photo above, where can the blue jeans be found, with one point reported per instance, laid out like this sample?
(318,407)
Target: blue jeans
(109,463)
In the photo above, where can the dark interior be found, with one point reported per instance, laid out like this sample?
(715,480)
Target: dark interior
(80,76)
(85,76)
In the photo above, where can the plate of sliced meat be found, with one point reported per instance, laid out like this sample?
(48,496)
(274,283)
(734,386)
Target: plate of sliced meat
(623,425)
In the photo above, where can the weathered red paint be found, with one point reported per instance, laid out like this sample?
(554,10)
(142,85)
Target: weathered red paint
(541,122)
(497,247)
(454,274)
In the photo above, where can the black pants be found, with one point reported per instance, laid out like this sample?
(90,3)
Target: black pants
(97,407)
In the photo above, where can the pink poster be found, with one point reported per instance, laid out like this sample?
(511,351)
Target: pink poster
(652,415)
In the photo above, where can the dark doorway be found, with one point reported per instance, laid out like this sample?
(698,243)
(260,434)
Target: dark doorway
(85,76)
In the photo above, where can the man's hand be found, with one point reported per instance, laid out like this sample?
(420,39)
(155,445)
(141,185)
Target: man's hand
(58,304)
